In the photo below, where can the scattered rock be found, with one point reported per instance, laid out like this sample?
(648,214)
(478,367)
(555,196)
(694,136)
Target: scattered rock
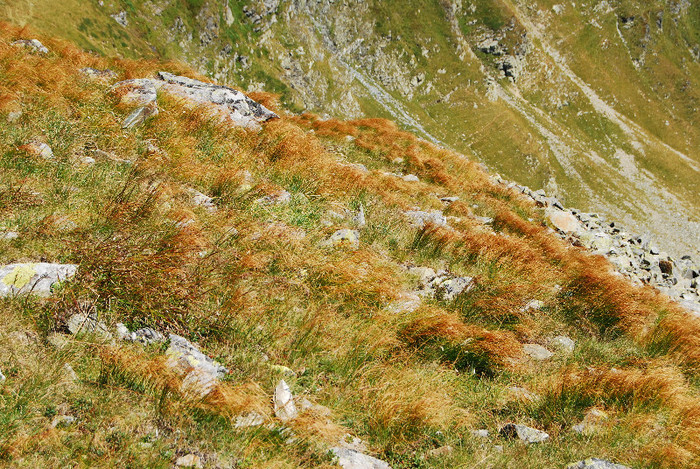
(537,352)
(285,370)
(8,235)
(420,219)
(345,238)
(590,421)
(564,221)
(14,116)
(481,433)
(522,394)
(441,285)
(87,323)
(145,335)
(200,373)
(410,178)
(69,374)
(449,200)
(285,410)
(135,92)
(38,149)
(231,105)
(2,377)
(524,433)
(533,305)
(595,463)
(351,459)
(189,460)
(279,197)
(33,44)
(58,340)
(563,344)
(36,279)
(307,406)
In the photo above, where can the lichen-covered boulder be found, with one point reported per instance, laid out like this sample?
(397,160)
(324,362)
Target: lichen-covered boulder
(33,278)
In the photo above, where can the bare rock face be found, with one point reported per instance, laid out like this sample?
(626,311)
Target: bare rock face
(228,103)
(36,279)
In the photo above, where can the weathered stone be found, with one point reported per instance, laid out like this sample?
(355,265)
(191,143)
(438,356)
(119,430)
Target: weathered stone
(145,335)
(33,44)
(251,419)
(345,238)
(595,463)
(481,433)
(279,197)
(189,460)
(121,18)
(96,74)
(202,200)
(351,459)
(87,323)
(285,410)
(448,290)
(229,104)
(8,235)
(564,221)
(306,405)
(2,377)
(524,433)
(537,352)
(14,116)
(405,303)
(563,344)
(449,200)
(424,274)
(139,115)
(666,267)
(440,452)
(420,219)
(200,372)
(62,421)
(533,305)
(135,92)
(36,279)
(69,374)
(410,178)
(38,149)
(523,395)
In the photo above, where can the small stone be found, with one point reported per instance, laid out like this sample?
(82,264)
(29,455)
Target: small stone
(62,421)
(285,410)
(252,419)
(280,197)
(481,433)
(13,116)
(136,92)
(87,160)
(123,332)
(564,221)
(405,303)
(420,219)
(563,344)
(202,200)
(595,463)
(283,369)
(189,460)
(85,323)
(537,352)
(440,452)
(8,235)
(410,178)
(58,340)
(2,377)
(533,305)
(38,149)
(345,238)
(351,459)
(200,373)
(449,200)
(69,373)
(95,74)
(524,433)
(139,115)
(522,394)
(121,18)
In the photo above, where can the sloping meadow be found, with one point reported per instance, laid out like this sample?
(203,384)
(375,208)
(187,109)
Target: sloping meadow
(255,281)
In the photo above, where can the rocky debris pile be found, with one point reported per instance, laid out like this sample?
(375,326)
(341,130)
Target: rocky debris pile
(36,279)
(200,373)
(33,44)
(442,285)
(228,104)
(634,256)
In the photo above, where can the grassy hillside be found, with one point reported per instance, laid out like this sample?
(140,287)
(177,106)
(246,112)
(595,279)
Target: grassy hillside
(260,289)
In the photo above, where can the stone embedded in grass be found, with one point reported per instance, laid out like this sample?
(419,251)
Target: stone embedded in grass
(38,149)
(420,219)
(345,238)
(251,419)
(447,290)
(522,394)
(537,352)
(13,116)
(145,335)
(410,178)
(229,104)
(533,305)
(590,421)
(33,44)
(563,344)
(87,323)
(8,235)
(62,421)
(2,377)
(306,405)
(200,373)
(595,463)
(279,197)
(285,409)
(351,459)
(189,460)
(120,18)
(481,433)
(523,433)
(440,452)
(135,92)
(139,115)
(202,200)
(35,279)
(405,303)
(449,200)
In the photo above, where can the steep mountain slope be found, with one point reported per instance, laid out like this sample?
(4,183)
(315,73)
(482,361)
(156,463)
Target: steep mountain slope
(596,102)
(187,279)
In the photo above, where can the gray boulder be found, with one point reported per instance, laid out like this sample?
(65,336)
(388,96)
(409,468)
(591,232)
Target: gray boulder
(351,459)
(230,104)
(87,323)
(537,352)
(33,44)
(420,218)
(135,92)
(35,279)
(285,409)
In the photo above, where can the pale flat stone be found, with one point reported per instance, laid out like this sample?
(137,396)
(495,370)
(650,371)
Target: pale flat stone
(285,409)
(36,279)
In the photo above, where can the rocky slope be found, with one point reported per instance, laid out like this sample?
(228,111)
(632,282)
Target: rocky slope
(594,102)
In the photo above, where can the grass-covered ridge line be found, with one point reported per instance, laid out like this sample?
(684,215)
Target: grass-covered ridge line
(255,286)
